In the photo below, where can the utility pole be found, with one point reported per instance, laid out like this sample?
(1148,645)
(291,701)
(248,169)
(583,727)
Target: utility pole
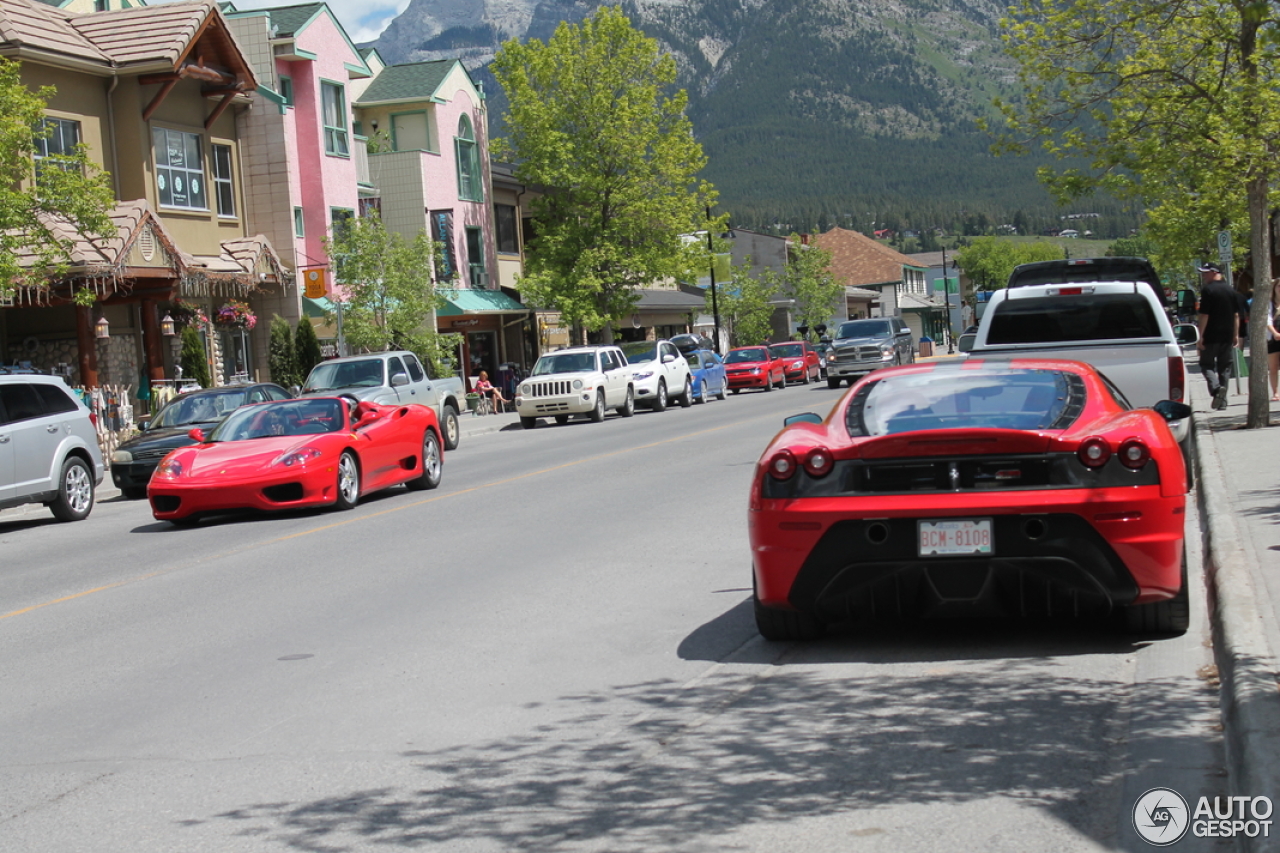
(946,291)
(715,305)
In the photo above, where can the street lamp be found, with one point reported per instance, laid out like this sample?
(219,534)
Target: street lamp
(715,305)
(946,298)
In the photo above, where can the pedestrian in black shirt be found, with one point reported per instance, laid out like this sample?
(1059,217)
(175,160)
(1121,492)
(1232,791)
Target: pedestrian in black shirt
(1218,322)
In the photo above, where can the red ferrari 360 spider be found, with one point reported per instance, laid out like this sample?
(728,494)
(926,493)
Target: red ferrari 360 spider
(1021,487)
(313,451)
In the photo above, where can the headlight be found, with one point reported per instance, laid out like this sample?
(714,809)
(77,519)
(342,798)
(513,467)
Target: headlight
(642,374)
(298,457)
(796,365)
(122,456)
(886,349)
(524,389)
(168,468)
(755,370)
(831,356)
(577,384)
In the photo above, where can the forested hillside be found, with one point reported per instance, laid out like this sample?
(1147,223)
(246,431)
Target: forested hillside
(812,112)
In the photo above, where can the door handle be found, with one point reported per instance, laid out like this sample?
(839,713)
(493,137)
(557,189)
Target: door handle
(51,429)
(4,439)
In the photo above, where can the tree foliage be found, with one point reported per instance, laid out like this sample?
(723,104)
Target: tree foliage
(390,293)
(306,345)
(282,358)
(71,190)
(192,357)
(745,311)
(988,261)
(1174,103)
(808,280)
(593,118)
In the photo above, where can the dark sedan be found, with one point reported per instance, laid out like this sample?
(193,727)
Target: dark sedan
(136,459)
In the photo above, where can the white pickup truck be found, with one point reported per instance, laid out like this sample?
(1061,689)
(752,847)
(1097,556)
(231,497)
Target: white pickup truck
(1119,327)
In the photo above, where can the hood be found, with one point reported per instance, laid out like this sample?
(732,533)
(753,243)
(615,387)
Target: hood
(850,342)
(239,458)
(165,437)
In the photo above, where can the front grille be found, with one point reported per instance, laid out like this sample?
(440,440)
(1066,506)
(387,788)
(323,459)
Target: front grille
(160,453)
(166,503)
(550,388)
(856,355)
(551,408)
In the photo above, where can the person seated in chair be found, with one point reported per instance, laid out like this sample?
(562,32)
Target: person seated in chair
(487,389)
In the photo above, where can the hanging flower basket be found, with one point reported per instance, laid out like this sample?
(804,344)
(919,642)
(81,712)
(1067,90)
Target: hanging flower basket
(235,315)
(185,314)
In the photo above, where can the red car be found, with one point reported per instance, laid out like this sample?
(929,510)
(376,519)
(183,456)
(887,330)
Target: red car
(313,451)
(754,367)
(800,361)
(1024,487)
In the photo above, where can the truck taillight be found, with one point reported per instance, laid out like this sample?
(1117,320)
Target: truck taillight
(1177,374)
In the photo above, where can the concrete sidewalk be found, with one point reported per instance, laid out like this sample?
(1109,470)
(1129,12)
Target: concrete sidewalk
(1239,501)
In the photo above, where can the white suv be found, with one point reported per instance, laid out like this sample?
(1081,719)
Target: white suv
(48,447)
(660,374)
(578,381)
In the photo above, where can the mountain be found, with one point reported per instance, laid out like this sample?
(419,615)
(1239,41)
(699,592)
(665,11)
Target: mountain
(811,112)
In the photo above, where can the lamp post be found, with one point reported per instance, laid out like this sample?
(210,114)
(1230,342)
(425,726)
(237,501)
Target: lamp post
(946,290)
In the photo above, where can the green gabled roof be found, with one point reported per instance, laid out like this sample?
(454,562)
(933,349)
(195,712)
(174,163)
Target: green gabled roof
(288,20)
(413,81)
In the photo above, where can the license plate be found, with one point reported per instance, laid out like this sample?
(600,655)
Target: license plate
(955,536)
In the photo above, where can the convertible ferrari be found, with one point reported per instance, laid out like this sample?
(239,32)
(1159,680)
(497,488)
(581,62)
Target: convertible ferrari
(314,451)
(1024,488)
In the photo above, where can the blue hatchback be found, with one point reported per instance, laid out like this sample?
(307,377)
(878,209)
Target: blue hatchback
(706,372)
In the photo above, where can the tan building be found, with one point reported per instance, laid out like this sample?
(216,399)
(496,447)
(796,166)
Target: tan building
(153,94)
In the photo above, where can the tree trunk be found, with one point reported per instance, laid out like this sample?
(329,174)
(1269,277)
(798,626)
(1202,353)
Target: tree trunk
(1259,413)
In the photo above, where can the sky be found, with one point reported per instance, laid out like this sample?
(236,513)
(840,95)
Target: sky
(364,20)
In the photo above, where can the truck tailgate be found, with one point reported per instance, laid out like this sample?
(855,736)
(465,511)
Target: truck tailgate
(1140,369)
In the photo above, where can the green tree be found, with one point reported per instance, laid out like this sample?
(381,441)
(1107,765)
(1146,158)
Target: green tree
(808,280)
(744,306)
(306,348)
(592,118)
(390,294)
(68,190)
(282,358)
(1175,103)
(988,261)
(195,364)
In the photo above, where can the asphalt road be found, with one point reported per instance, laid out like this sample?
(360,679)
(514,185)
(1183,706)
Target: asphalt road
(552,652)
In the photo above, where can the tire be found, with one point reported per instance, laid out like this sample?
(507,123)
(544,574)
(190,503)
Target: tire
(1162,617)
(134,493)
(807,378)
(783,384)
(348,481)
(597,414)
(833,383)
(768,384)
(723,392)
(1188,447)
(528,423)
(75,491)
(660,399)
(432,464)
(629,407)
(449,426)
(562,419)
(736,390)
(786,625)
(702,390)
(686,399)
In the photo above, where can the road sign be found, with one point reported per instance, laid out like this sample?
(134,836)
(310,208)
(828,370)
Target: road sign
(1224,247)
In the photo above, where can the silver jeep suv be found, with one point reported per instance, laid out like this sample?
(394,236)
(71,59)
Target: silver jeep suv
(48,447)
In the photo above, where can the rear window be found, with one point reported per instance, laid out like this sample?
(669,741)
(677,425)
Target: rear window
(950,399)
(1085,317)
(55,400)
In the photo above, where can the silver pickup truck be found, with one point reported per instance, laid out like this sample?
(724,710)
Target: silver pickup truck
(1118,327)
(390,378)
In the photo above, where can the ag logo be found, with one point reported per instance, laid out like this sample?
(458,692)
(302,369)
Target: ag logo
(1160,816)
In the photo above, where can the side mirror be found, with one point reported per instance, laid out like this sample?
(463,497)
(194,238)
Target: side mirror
(196,435)
(965,342)
(805,418)
(667,358)
(1171,411)
(144,425)
(1186,334)
(399,379)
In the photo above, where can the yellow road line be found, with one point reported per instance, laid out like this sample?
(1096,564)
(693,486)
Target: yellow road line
(399,508)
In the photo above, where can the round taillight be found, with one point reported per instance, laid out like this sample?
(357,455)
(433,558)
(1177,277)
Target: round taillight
(783,465)
(1134,453)
(1094,452)
(819,462)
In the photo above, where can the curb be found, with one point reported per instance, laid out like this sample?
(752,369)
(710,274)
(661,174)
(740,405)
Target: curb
(1249,698)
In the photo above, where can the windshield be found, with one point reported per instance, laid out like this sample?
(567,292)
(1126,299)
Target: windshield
(738,356)
(865,329)
(953,399)
(202,408)
(640,351)
(286,417)
(330,376)
(788,350)
(567,362)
